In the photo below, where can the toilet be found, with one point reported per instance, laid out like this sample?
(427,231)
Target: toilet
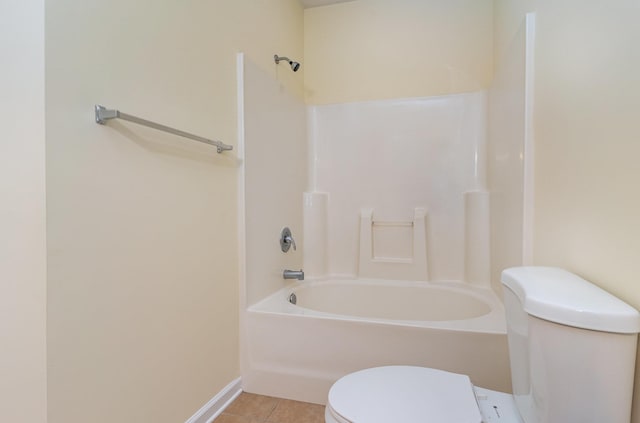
(572,349)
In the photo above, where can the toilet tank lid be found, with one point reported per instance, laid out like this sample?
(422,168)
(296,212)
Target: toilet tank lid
(560,296)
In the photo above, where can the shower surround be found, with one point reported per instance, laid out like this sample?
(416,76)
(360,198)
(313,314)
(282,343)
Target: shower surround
(378,194)
(397,190)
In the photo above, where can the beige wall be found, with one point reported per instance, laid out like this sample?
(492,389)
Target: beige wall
(587,99)
(379,49)
(143,284)
(22,214)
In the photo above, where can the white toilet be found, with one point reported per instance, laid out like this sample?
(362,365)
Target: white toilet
(572,349)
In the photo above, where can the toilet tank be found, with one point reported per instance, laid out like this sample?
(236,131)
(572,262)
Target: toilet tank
(572,347)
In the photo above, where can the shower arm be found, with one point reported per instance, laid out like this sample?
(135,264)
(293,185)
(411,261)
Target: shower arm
(279,58)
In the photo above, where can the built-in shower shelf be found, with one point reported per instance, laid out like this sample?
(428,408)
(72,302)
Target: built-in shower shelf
(393,249)
(383,223)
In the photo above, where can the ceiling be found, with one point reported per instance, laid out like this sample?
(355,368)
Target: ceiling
(315,3)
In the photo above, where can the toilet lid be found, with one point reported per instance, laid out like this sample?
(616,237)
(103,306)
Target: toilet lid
(405,394)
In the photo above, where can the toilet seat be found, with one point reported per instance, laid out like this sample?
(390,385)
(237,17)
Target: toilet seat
(405,394)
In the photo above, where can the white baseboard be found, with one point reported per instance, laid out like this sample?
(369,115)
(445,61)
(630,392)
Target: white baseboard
(217,404)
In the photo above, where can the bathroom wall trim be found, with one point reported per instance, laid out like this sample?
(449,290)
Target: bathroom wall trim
(529,147)
(218,403)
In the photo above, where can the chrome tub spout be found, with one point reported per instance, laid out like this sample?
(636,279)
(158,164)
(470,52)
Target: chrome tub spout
(293,274)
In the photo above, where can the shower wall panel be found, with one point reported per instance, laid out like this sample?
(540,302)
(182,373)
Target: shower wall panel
(393,156)
(507,156)
(275,174)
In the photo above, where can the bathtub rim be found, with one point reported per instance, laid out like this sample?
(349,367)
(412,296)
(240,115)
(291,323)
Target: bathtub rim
(493,322)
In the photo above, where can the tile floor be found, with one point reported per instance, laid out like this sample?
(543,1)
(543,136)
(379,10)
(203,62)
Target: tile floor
(252,408)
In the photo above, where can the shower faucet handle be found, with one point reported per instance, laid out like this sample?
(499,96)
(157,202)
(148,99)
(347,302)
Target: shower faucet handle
(286,240)
(290,240)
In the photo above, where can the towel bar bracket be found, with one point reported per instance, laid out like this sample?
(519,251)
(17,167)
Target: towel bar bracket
(103,114)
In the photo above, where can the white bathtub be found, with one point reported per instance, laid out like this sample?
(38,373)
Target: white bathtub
(340,326)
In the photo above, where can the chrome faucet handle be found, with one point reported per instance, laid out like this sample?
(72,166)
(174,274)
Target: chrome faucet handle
(290,240)
(286,240)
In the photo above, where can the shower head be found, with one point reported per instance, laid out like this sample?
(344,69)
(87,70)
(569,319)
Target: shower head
(294,65)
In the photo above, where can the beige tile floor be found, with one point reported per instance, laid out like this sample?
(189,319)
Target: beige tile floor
(252,408)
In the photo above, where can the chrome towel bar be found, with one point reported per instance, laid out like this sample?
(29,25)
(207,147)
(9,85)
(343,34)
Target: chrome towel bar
(103,115)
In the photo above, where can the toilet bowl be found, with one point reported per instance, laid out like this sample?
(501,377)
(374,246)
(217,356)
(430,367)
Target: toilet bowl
(572,349)
(410,394)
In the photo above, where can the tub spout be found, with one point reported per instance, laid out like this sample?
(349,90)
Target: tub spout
(293,274)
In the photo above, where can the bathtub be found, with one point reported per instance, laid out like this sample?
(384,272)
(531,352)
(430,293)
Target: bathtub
(341,326)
